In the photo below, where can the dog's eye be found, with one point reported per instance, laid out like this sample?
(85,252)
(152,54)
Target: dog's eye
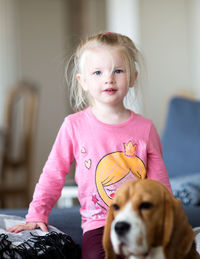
(115,206)
(146,205)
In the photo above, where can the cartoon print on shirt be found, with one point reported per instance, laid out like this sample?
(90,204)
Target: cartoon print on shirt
(94,210)
(95,201)
(116,168)
(88,163)
(83,150)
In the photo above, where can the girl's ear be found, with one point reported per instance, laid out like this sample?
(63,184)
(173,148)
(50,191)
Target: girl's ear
(81,80)
(136,75)
(132,80)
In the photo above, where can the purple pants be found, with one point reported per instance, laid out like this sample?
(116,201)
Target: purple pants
(92,247)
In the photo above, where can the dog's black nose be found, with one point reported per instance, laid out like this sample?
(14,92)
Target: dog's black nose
(122,227)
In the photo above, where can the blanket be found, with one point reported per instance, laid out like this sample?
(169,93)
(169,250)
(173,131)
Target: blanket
(35,243)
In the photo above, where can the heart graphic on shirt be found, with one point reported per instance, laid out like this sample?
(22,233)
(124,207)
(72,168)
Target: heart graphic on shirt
(83,150)
(88,163)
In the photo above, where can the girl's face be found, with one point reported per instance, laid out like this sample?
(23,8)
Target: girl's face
(104,75)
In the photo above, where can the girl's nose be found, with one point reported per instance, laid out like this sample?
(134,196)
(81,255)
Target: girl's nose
(109,78)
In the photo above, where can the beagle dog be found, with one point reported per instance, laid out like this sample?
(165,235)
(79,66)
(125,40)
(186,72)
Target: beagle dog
(145,221)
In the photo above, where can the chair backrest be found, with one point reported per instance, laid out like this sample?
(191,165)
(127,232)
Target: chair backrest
(181,137)
(20,122)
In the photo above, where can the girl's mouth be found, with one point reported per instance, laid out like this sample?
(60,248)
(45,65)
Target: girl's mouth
(110,90)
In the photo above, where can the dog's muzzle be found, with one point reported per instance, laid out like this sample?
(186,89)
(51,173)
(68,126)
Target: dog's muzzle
(128,234)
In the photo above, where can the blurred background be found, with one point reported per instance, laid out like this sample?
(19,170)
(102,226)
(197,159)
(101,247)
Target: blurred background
(37,37)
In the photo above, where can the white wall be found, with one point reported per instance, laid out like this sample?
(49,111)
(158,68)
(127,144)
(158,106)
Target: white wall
(164,37)
(193,8)
(123,17)
(9,50)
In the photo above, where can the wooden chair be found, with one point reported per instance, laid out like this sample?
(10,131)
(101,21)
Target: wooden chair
(18,138)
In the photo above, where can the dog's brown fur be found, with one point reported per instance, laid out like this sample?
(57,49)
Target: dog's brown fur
(166,222)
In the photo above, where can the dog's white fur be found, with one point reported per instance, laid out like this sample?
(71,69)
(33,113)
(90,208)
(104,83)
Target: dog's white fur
(145,221)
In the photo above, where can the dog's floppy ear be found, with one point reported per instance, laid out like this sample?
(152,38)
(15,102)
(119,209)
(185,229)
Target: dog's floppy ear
(183,229)
(109,253)
(168,219)
(177,230)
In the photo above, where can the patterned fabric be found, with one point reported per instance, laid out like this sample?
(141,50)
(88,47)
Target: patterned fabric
(35,243)
(187,188)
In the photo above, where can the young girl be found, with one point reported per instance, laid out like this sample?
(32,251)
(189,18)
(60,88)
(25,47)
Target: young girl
(109,143)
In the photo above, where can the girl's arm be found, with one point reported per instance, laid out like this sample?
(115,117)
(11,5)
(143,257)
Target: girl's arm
(155,165)
(52,179)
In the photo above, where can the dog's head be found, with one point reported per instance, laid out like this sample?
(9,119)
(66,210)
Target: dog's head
(143,217)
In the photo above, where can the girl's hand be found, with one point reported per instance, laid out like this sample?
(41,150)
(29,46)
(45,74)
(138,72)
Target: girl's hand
(28,226)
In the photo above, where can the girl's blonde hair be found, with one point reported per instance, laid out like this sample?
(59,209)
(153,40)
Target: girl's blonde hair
(78,97)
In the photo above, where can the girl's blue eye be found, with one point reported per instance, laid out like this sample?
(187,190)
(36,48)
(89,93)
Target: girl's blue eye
(118,71)
(97,73)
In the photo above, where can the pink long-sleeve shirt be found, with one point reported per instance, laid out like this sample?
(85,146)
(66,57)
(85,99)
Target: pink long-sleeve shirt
(106,156)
